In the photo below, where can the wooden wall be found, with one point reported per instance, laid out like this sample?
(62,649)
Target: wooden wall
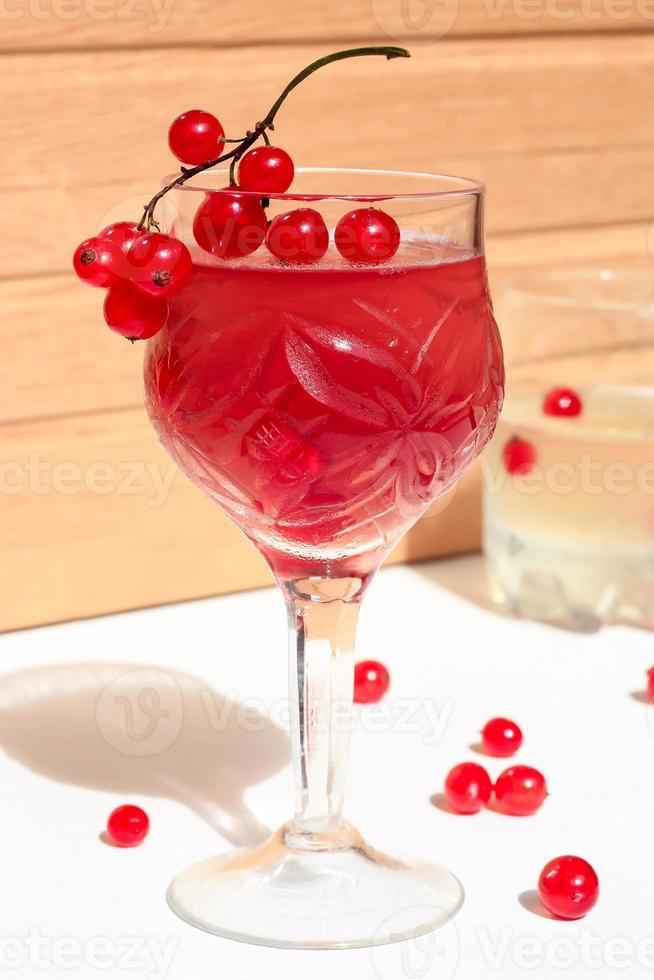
(551,103)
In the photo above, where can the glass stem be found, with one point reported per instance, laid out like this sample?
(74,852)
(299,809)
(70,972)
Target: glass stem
(322,618)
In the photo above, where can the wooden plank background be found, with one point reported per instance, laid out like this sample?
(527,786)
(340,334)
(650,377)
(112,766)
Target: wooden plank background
(139,23)
(551,104)
(553,125)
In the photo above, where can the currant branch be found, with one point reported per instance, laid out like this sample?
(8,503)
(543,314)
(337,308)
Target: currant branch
(267,123)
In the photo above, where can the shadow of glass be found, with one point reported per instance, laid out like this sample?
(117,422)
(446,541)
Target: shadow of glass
(135,729)
(464,576)
(467,577)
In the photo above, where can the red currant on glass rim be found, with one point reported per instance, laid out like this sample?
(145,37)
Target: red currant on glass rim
(367,235)
(159,264)
(500,736)
(562,401)
(123,234)
(468,787)
(132,313)
(371,681)
(267,169)
(195,137)
(520,790)
(519,456)
(127,826)
(568,887)
(230,225)
(299,237)
(98,262)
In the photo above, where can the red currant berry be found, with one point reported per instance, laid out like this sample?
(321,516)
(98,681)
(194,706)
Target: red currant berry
(371,681)
(127,826)
(230,225)
(499,736)
(123,234)
(650,685)
(195,137)
(266,169)
(519,456)
(298,236)
(367,235)
(132,313)
(562,401)
(98,262)
(568,887)
(159,264)
(468,787)
(520,790)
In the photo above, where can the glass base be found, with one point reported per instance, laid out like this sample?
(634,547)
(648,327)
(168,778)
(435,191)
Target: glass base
(573,585)
(332,892)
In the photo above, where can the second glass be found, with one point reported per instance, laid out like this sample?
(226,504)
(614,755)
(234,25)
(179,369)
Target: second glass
(569,518)
(324,407)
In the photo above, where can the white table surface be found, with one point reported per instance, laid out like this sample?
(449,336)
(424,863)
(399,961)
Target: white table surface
(211,776)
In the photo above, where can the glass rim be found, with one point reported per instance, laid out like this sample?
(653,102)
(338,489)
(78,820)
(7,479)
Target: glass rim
(467,186)
(530,287)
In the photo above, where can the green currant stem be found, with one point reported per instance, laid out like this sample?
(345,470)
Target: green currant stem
(266,123)
(386,52)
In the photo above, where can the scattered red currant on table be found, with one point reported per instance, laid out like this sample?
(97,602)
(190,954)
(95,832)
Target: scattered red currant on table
(519,456)
(195,137)
(562,401)
(159,264)
(367,235)
(132,313)
(127,826)
(520,790)
(371,681)
(468,787)
(230,225)
(568,887)
(500,736)
(98,262)
(298,237)
(266,169)
(650,685)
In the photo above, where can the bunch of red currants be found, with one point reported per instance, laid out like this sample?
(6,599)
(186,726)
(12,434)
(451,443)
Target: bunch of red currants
(142,269)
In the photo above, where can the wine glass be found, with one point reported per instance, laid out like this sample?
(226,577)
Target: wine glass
(323,407)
